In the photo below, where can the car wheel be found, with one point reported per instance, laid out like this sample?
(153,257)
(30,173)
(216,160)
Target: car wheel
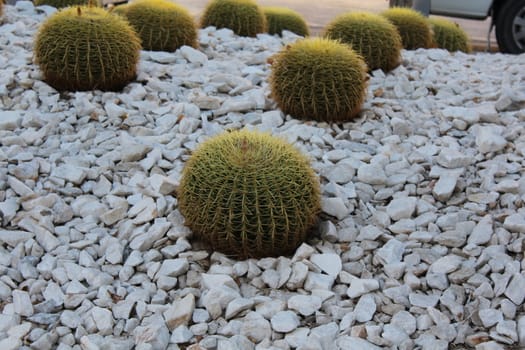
(510,27)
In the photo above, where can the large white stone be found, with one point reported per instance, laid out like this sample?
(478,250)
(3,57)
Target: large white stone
(401,208)
(328,262)
(489,140)
(10,120)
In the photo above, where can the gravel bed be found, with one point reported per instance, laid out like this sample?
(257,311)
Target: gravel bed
(420,243)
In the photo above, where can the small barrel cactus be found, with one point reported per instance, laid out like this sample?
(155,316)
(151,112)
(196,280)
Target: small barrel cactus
(282,18)
(249,194)
(162,25)
(319,79)
(449,35)
(86,48)
(372,36)
(414,28)
(244,17)
(61,3)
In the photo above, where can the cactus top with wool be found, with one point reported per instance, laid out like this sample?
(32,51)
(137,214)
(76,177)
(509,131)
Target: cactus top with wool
(249,194)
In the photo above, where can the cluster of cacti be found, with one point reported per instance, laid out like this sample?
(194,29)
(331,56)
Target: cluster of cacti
(372,36)
(61,3)
(244,17)
(449,35)
(319,79)
(414,28)
(282,18)
(86,48)
(249,194)
(161,24)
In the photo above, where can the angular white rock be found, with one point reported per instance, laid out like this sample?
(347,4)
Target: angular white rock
(401,208)
(488,140)
(365,308)
(284,321)
(360,286)
(305,304)
(192,55)
(180,312)
(10,120)
(328,262)
(334,206)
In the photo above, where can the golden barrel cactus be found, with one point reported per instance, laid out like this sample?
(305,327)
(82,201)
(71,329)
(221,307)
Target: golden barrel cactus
(414,28)
(162,25)
(371,35)
(87,48)
(249,194)
(319,79)
(449,35)
(244,17)
(282,18)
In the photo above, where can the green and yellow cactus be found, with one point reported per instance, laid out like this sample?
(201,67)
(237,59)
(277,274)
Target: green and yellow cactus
(244,17)
(282,18)
(249,194)
(162,25)
(449,35)
(62,3)
(319,79)
(86,48)
(372,36)
(414,28)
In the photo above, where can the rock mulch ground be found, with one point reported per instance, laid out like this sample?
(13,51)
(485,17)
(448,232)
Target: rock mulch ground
(420,244)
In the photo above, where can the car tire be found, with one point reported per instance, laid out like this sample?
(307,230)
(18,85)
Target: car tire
(510,27)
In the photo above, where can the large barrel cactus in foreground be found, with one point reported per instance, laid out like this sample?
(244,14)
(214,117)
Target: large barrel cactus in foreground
(414,28)
(86,48)
(319,79)
(162,25)
(371,35)
(449,35)
(282,18)
(249,194)
(244,17)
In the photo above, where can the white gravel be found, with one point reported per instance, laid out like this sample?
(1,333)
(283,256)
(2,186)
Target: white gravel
(420,244)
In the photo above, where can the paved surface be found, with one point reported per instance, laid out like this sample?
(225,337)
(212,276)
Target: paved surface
(319,13)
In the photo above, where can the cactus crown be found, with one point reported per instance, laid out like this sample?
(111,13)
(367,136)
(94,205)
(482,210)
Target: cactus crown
(86,48)
(449,35)
(282,18)
(244,17)
(371,35)
(162,25)
(320,79)
(249,194)
(413,27)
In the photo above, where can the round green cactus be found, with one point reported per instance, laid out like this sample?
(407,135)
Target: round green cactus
(86,48)
(414,28)
(61,3)
(320,79)
(249,194)
(282,18)
(449,35)
(244,17)
(162,25)
(372,36)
